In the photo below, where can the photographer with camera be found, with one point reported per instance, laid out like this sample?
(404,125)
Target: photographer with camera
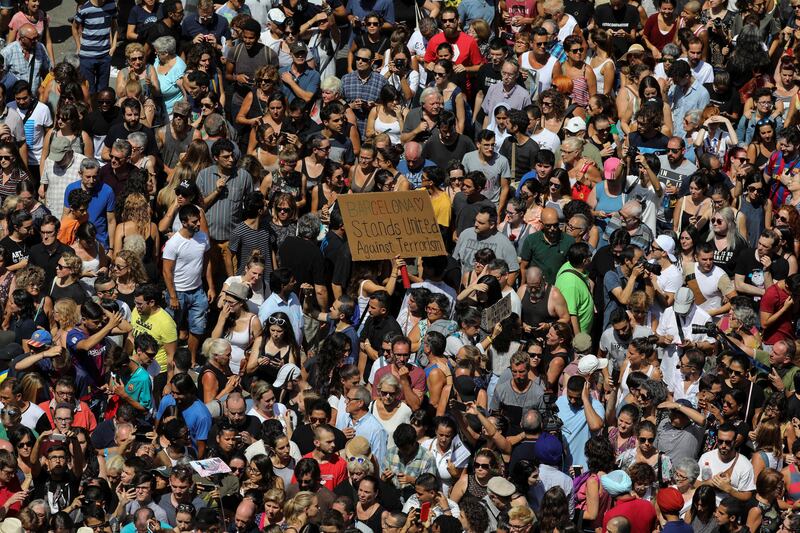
(628,276)
(676,332)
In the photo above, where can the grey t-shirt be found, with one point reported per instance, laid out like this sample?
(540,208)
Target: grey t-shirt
(469,243)
(494,170)
(675,177)
(615,347)
(679,443)
(505,395)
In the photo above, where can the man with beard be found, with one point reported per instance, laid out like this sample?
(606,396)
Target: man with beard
(465,49)
(518,148)
(99,121)
(582,416)
(174,137)
(731,474)
(193,411)
(181,490)
(131,122)
(520,393)
(56,483)
(547,248)
(421,121)
(304,435)
(333,468)
(542,303)
(675,331)
(615,339)
(185,262)
(484,234)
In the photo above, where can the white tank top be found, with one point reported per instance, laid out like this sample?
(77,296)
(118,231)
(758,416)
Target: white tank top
(598,73)
(544,74)
(709,286)
(623,384)
(392,129)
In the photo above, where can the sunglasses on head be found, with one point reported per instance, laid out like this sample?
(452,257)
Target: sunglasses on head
(276,321)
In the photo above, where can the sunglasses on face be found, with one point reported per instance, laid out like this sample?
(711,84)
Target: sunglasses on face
(647,440)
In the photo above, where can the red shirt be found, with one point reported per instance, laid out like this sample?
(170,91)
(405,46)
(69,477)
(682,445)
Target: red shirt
(7,492)
(465,50)
(333,472)
(640,513)
(416,374)
(771,303)
(654,35)
(82,417)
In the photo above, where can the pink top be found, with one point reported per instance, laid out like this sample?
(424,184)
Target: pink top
(20,19)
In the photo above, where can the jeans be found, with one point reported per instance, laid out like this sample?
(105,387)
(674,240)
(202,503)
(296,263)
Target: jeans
(192,312)
(97,71)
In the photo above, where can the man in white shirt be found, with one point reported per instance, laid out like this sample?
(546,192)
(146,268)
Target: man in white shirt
(185,262)
(702,71)
(666,284)
(730,473)
(675,331)
(429,490)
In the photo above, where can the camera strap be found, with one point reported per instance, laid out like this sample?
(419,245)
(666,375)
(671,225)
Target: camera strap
(679,321)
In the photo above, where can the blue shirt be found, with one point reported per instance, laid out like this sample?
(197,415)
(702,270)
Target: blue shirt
(677,526)
(308,81)
(371,429)
(292,308)
(95,22)
(576,429)
(101,203)
(217,26)
(414,176)
(681,102)
(197,417)
(385,8)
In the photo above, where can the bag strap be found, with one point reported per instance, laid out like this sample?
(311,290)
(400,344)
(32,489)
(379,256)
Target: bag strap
(578,274)
(32,66)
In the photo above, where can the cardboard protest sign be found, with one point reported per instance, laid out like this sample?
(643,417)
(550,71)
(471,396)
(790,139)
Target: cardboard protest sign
(384,225)
(494,314)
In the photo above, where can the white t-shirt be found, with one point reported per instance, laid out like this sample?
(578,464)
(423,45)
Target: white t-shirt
(741,477)
(32,415)
(670,280)
(668,325)
(188,256)
(35,127)
(547,140)
(703,72)
(516,303)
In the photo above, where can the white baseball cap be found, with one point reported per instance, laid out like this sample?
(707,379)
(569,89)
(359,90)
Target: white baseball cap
(589,364)
(684,299)
(667,243)
(575,124)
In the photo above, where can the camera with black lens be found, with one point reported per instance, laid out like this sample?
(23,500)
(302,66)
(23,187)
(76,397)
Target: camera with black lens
(709,328)
(653,268)
(551,423)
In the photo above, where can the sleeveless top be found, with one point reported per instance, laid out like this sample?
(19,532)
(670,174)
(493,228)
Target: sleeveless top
(149,260)
(88,282)
(76,143)
(770,518)
(173,148)
(368,186)
(240,341)
(374,522)
(125,73)
(606,202)
(220,376)
(793,488)
(475,489)
(311,181)
(598,74)
(544,75)
(754,220)
(257,106)
(623,384)
(580,89)
(392,129)
(534,314)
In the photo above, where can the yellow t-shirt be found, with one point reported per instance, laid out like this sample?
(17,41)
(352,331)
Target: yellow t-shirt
(442,209)
(161,327)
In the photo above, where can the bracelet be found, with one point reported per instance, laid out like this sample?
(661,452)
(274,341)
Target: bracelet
(490,339)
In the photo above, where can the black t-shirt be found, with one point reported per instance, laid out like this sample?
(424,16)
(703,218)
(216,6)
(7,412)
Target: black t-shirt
(625,19)
(337,259)
(97,124)
(17,251)
(753,271)
(303,436)
(119,131)
(304,258)
(103,435)
(464,212)
(582,11)
(58,494)
(525,156)
(375,331)
(40,257)
(656,144)
(728,102)
(159,29)
(726,259)
(793,407)
(442,154)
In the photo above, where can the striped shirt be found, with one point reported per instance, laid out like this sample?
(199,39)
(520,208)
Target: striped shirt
(96,28)
(20,66)
(245,239)
(226,212)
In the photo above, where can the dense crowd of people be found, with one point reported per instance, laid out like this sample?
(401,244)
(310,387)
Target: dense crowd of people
(609,344)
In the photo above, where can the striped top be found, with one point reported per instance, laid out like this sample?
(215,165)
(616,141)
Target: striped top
(96,28)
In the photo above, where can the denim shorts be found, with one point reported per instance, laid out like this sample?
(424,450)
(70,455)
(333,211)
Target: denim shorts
(193,311)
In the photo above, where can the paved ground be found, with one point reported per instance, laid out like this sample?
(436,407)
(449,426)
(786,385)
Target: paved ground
(60,30)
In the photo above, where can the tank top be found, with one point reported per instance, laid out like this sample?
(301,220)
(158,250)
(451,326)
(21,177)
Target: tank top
(709,286)
(76,143)
(173,148)
(240,341)
(474,488)
(598,74)
(374,522)
(623,384)
(534,314)
(392,129)
(220,376)
(793,489)
(580,90)
(544,75)
(311,181)
(88,282)
(754,220)
(606,202)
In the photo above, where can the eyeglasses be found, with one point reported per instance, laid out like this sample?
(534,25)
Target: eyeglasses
(451,20)
(207,106)
(59,266)
(546,103)
(117,158)
(782,218)
(647,440)
(732,372)
(276,321)
(355,458)
(117,266)
(439,74)
(105,102)
(137,58)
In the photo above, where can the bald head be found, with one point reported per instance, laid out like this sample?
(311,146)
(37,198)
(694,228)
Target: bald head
(29,31)
(413,150)
(549,216)
(533,275)
(245,512)
(618,524)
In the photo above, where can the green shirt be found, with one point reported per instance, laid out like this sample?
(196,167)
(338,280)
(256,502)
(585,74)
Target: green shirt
(788,378)
(575,289)
(549,257)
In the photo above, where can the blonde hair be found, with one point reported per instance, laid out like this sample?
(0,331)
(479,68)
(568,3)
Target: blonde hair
(69,311)
(73,263)
(32,384)
(639,298)
(137,210)
(135,243)
(30,275)
(133,47)
(275,495)
(115,463)
(522,513)
(294,510)
(768,436)
(182,172)
(481,29)
(258,389)
(135,266)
